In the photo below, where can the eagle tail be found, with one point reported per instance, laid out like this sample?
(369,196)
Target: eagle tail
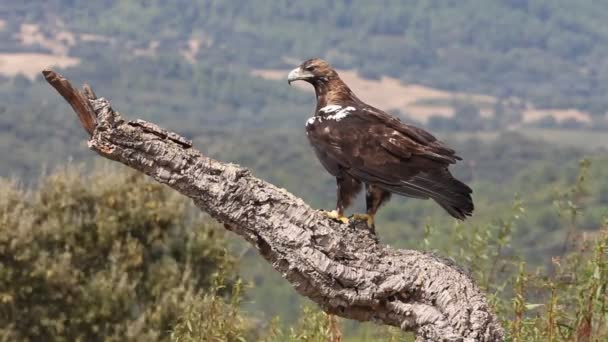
(459,211)
(455,196)
(451,194)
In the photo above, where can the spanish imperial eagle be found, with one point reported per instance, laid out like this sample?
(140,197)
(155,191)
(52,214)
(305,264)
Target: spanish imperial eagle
(358,143)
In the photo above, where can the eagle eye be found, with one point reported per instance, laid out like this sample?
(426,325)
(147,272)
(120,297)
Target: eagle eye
(310,68)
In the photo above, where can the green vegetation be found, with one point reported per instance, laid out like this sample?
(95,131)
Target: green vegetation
(114,255)
(107,254)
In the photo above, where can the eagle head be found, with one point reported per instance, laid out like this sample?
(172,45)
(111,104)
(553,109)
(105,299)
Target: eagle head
(313,71)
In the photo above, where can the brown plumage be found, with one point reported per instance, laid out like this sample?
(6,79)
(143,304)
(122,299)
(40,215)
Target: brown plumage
(358,143)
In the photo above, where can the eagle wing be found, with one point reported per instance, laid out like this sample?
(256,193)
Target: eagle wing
(412,137)
(376,148)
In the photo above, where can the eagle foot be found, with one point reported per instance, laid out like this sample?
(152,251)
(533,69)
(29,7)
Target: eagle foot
(336,216)
(369,219)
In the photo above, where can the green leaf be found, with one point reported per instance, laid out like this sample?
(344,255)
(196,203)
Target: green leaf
(530,306)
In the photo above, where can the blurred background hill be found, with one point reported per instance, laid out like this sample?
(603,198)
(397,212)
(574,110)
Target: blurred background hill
(518,87)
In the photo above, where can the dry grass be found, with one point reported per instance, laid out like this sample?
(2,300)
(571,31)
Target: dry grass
(30,64)
(194,45)
(532,115)
(191,51)
(87,37)
(58,44)
(148,51)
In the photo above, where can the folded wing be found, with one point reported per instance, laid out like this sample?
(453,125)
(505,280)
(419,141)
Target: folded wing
(377,148)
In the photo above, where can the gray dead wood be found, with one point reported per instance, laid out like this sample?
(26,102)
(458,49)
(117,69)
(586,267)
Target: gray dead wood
(340,267)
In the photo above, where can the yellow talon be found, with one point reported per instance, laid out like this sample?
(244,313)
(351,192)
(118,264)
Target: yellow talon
(336,216)
(365,217)
(343,219)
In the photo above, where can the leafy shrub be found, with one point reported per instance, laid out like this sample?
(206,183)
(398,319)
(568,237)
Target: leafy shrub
(106,256)
(213,318)
(565,299)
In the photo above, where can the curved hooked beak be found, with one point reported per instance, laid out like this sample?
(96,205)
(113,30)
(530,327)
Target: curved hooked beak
(298,74)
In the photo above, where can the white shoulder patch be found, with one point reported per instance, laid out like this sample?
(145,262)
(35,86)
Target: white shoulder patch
(330,109)
(341,114)
(311,120)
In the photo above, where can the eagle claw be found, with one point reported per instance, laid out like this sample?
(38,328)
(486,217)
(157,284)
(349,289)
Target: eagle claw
(369,219)
(336,216)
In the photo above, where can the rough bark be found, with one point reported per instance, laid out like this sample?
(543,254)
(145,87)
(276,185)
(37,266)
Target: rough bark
(340,267)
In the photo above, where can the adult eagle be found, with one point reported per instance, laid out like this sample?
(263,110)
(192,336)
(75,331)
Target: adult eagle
(358,143)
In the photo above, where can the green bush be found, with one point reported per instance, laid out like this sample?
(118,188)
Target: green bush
(212,318)
(562,300)
(106,256)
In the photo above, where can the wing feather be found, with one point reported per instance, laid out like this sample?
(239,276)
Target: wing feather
(424,142)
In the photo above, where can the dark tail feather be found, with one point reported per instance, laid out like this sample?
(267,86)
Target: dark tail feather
(460,210)
(456,200)
(451,194)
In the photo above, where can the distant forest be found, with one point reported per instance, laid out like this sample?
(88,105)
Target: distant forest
(551,52)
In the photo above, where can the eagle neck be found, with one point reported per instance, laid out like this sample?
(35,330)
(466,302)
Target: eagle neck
(333,91)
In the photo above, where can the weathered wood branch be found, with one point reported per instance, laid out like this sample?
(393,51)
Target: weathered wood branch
(340,267)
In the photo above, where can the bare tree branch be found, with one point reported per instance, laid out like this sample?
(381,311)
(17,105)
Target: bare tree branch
(340,267)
